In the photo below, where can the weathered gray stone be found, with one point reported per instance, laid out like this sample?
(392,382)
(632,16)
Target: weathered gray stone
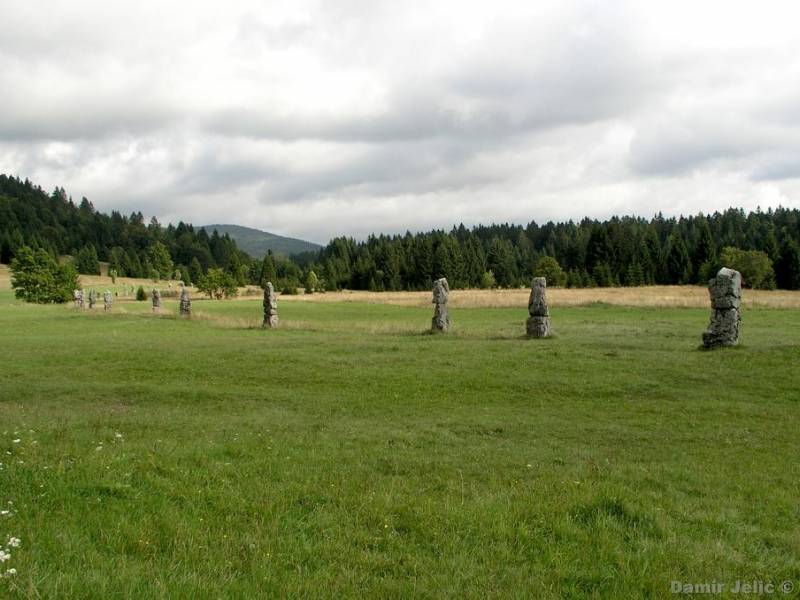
(725,291)
(270,307)
(108,299)
(156,296)
(538,324)
(441,319)
(78,297)
(92,298)
(186,302)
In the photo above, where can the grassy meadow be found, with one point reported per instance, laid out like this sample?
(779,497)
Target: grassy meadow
(350,454)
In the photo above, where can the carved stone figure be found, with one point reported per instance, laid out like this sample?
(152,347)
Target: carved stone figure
(186,302)
(726,301)
(538,325)
(270,307)
(441,319)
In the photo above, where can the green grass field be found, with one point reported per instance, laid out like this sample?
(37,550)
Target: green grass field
(348,454)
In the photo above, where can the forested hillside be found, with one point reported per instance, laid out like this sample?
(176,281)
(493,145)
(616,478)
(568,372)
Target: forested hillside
(132,246)
(626,251)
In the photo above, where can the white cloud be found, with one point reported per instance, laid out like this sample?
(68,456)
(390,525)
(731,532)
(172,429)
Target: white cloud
(319,119)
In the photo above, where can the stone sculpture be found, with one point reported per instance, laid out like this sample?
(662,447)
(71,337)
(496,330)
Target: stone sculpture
(92,298)
(441,319)
(186,302)
(538,325)
(156,301)
(726,301)
(107,300)
(270,306)
(78,297)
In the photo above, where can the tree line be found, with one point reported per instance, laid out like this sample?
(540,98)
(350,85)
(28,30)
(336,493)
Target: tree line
(628,251)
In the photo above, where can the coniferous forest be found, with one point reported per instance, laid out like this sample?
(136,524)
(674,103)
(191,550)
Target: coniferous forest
(626,251)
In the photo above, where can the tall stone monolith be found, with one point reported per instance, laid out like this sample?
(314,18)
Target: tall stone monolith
(270,307)
(78,297)
(441,319)
(538,325)
(186,302)
(107,300)
(726,302)
(156,295)
(92,298)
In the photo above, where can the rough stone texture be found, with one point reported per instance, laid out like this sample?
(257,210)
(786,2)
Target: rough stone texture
(270,306)
(156,295)
(186,303)
(108,299)
(78,296)
(92,298)
(441,319)
(726,301)
(538,325)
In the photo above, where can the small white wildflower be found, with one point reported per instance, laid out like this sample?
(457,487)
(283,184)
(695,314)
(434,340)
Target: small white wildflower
(99,448)
(118,435)
(10,573)
(14,542)
(4,555)
(5,513)
(16,441)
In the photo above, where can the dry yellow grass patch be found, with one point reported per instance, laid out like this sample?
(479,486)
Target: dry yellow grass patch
(5,277)
(657,296)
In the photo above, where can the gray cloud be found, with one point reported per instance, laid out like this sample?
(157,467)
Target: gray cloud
(359,116)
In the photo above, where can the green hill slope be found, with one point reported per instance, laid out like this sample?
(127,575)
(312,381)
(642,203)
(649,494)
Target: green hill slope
(256,242)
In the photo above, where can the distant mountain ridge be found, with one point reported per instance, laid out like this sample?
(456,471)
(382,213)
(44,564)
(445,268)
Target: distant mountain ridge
(256,242)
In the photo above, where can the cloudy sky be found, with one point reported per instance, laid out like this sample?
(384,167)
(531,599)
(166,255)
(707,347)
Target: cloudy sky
(317,119)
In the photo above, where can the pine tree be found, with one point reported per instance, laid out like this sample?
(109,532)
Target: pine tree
(269,272)
(705,252)
(787,268)
(679,266)
(160,260)
(195,270)
(86,261)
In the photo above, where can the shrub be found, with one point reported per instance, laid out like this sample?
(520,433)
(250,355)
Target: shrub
(141,294)
(217,284)
(312,281)
(754,265)
(37,277)
(548,267)
(488,281)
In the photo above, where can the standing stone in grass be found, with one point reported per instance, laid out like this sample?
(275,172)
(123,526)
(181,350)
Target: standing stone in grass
(186,302)
(107,300)
(726,301)
(78,297)
(156,301)
(441,319)
(538,324)
(270,306)
(92,298)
